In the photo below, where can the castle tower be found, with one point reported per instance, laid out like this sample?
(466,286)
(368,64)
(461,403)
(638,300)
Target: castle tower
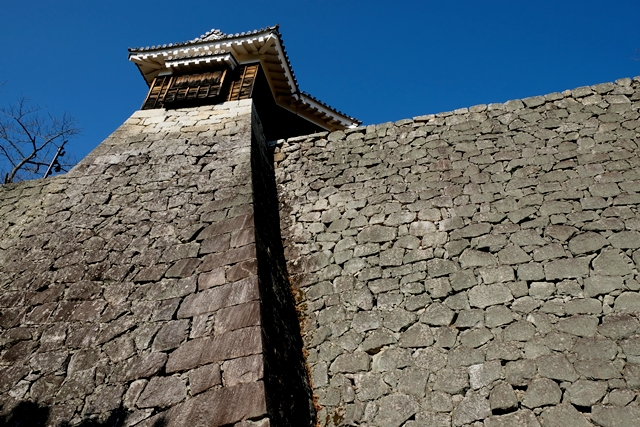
(480,266)
(140,289)
(217,67)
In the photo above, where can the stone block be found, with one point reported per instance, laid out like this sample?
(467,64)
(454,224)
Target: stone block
(564,415)
(237,317)
(229,257)
(374,341)
(139,367)
(357,361)
(512,255)
(519,331)
(541,392)
(598,369)
(171,335)
(599,285)
(612,262)
(242,270)
(566,268)
(618,326)
(219,297)
(422,228)
(242,237)
(475,337)
(521,418)
(486,295)
(596,348)
(215,244)
(217,407)
(438,288)
(627,302)
(413,382)
(49,361)
(77,386)
(383,285)
(497,274)
(463,279)
(580,325)
(395,409)
(519,372)
(473,407)
(183,268)
(243,370)
(556,367)
(502,397)
(606,416)
(441,267)
(391,257)
(162,392)
(151,274)
(474,258)
(10,375)
(586,243)
(625,240)
(377,234)
(583,306)
(226,226)
(483,375)
(418,335)
(497,315)
(437,314)
(586,393)
(133,393)
(398,319)
(211,279)
(631,374)
(452,380)
(201,351)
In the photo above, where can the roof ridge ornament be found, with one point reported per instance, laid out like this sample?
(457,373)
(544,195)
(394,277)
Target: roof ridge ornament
(213,34)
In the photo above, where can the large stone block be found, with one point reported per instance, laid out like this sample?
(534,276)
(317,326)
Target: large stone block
(566,268)
(218,407)
(201,351)
(486,295)
(210,300)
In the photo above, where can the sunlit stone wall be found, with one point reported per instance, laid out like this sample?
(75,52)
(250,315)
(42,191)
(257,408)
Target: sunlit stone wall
(476,267)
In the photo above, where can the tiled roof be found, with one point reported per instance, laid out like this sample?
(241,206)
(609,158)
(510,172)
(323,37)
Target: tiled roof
(189,49)
(212,35)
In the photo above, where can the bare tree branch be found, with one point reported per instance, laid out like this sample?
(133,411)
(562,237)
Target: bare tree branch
(30,140)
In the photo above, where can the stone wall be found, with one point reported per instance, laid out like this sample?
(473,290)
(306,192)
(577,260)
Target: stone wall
(472,268)
(129,287)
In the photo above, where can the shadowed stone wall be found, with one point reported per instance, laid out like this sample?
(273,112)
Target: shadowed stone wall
(289,396)
(129,287)
(472,268)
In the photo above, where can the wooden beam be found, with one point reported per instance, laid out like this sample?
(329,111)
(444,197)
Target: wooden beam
(269,42)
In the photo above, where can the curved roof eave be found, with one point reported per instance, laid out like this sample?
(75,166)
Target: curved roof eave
(265,46)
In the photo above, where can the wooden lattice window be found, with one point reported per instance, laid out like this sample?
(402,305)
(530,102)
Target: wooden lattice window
(173,91)
(168,90)
(242,85)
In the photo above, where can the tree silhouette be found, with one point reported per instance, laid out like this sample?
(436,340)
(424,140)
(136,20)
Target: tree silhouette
(32,141)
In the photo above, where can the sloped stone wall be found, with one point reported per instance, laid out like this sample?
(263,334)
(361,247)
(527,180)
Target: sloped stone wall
(129,287)
(472,268)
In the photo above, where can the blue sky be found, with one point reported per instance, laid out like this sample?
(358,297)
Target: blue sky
(376,60)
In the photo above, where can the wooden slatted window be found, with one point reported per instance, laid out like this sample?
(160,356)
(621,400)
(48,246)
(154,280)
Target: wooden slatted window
(242,85)
(167,90)
(202,88)
(156,92)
